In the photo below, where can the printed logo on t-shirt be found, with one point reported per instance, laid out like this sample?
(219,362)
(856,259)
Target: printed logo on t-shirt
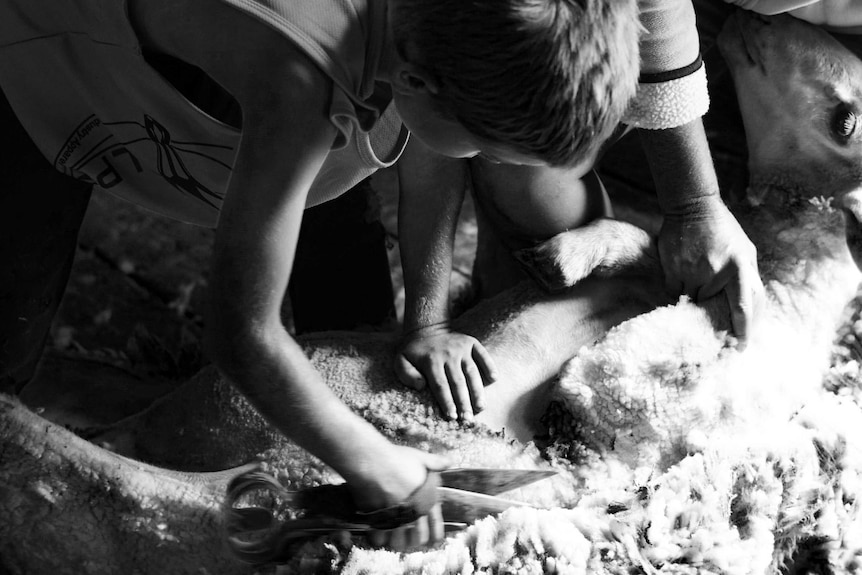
(108,154)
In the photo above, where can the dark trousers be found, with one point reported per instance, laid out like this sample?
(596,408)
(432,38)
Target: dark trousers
(41,212)
(340,278)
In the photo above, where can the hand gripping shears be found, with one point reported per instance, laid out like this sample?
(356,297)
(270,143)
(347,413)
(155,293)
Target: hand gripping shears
(263,519)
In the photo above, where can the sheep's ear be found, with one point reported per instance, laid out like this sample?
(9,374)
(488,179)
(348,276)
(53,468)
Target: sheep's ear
(851,203)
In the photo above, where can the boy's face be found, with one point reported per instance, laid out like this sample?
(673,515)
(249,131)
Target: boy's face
(448,137)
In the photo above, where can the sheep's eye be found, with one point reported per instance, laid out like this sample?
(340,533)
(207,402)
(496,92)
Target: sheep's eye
(844,123)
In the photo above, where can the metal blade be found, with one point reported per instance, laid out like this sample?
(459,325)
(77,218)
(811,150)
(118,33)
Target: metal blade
(466,506)
(491,481)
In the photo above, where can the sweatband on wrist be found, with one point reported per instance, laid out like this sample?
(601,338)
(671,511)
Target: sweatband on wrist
(667,101)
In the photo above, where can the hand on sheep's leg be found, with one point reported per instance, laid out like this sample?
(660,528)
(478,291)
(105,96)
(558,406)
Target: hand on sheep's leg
(604,247)
(455,366)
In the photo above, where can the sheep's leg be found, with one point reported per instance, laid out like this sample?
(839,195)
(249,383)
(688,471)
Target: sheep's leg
(529,332)
(604,247)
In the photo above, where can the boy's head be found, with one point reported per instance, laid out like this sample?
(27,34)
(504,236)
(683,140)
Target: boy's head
(545,79)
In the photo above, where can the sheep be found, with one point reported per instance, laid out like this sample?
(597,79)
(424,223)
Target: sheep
(732,462)
(647,493)
(74,507)
(665,385)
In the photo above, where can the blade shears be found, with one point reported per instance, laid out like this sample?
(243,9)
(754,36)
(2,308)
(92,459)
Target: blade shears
(264,519)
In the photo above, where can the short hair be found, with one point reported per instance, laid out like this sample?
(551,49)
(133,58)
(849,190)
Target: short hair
(548,78)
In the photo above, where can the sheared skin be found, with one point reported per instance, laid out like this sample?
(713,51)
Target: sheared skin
(71,507)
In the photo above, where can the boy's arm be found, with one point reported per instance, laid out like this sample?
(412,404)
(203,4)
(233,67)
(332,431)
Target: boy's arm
(702,247)
(286,137)
(454,365)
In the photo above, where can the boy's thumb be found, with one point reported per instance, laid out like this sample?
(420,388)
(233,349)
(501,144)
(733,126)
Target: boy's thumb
(435,462)
(407,374)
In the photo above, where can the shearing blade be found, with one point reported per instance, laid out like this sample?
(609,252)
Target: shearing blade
(491,481)
(466,507)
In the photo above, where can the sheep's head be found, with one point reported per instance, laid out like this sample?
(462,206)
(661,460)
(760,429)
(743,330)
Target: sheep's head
(800,95)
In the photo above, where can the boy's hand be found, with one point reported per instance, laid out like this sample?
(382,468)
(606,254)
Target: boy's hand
(455,366)
(703,251)
(402,476)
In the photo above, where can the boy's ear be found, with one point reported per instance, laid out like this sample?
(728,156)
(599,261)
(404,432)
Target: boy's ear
(412,80)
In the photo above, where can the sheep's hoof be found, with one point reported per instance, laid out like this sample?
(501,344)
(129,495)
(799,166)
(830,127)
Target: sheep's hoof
(542,263)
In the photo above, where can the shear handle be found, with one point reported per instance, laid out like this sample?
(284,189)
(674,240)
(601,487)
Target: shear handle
(336,501)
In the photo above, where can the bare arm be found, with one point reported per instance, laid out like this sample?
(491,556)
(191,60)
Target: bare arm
(681,165)
(454,365)
(703,249)
(252,259)
(286,137)
(431,193)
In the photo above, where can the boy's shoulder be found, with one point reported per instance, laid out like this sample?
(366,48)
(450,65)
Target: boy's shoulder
(249,58)
(255,38)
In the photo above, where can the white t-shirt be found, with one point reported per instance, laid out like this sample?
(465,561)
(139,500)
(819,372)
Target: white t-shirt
(74,73)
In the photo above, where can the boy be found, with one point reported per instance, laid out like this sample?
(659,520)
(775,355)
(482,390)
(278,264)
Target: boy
(316,82)
(702,247)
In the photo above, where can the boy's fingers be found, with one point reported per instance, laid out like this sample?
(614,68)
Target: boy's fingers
(436,529)
(434,461)
(485,363)
(398,538)
(475,385)
(420,533)
(460,393)
(442,393)
(376,538)
(407,374)
(745,297)
(672,281)
(714,286)
(738,316)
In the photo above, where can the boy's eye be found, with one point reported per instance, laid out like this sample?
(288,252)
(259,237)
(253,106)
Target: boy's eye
(844,123)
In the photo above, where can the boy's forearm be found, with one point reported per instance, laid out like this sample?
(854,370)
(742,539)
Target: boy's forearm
(431,193)
(426,259)
(681,166)
(274,374)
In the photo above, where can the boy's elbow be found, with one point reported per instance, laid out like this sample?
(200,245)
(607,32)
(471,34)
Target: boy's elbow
(222,349)
(232,343)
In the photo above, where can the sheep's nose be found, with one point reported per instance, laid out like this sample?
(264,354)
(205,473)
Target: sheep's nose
(851,204)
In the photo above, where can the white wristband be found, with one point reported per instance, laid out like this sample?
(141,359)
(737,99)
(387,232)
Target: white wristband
(663,105)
